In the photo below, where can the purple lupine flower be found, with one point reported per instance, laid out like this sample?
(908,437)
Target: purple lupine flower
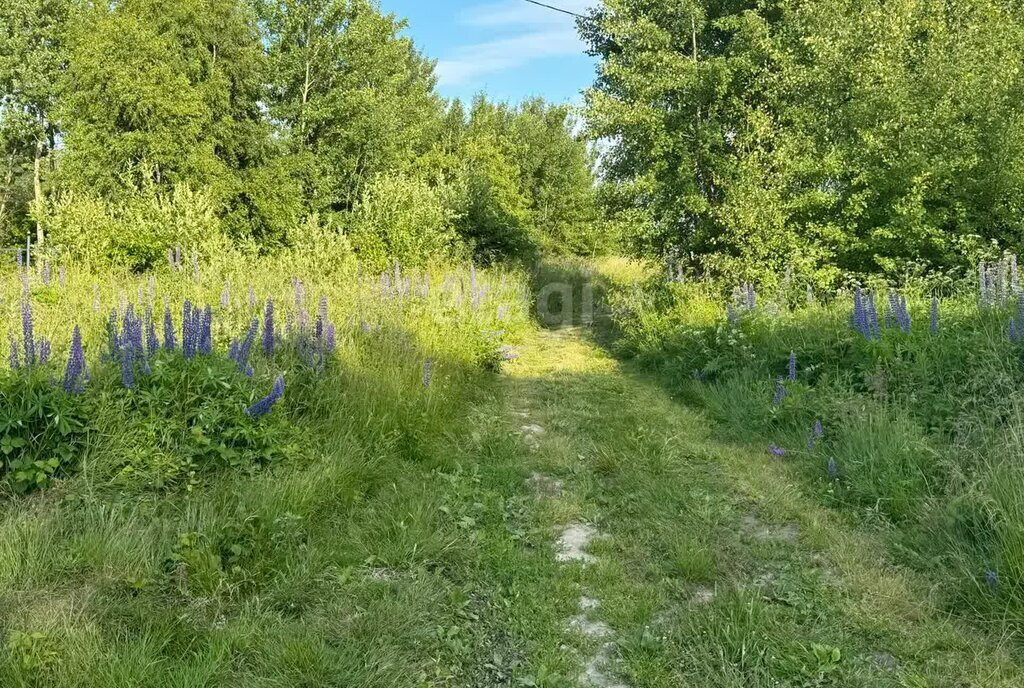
(28,338)
(225,295)
(776,450)
(189,330)
(268,328)
(169,342)
(365,327)
(44,351)
(20,259)
(817,432)
(933,326)
(321,317)
(859,319)
(113,343)
(699,375)
(206,332)
(874,330)
(233,351)
(751,297)
(780,392)
(242,350)
(46,273)
(992,580)
(152,341)
(428,372)
(330,339)
(832,469)
(76,364)
(127,369)
(131,333)
(62,276)
(12,360)
(263,406)
(508,353)
(791,369)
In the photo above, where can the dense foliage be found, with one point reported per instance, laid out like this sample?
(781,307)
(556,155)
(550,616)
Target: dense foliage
(838,136)
(130,127)
(902,409)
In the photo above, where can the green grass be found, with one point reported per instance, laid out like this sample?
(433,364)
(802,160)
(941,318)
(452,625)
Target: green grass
(404,539)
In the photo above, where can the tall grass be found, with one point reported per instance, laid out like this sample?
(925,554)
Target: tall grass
(180,541)
(921,426)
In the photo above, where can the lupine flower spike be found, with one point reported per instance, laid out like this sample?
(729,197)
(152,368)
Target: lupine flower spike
(775,450)
(428,372)
(268,328)
(832,469)
(76,364)
(792,366)
(933,326)
(263,406)
(780,392)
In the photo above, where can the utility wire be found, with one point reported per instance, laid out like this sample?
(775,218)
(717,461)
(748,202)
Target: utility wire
(556,9)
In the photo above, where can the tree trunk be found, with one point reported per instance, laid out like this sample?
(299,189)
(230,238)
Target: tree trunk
(37,184)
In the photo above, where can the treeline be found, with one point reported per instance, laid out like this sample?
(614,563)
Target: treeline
(129,126)
(835,137)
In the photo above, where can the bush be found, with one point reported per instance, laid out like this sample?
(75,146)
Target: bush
(135,231)
(402,218)
(43,430)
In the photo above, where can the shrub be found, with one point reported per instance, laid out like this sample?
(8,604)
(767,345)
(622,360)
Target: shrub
(401,217)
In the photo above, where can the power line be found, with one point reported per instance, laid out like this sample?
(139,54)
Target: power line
(556,9)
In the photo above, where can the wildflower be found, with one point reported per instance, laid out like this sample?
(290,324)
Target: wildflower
(832,469)
(20,259)
(47,273)
(751,297)
(365,327)
(44,351)
(992,580)
(428,371)
(169,342)
(263,406)
(792,366)
(507,353)
(189,330)
(817,432)
(152,342)
(28,338)
(12,361)
(731,315)
(76,364)
(206,332)
(699,375)
(268,328)
(321,317)
(780,392)
(933,326)
(242,351)
(859,319)
(62,276)
(330,339)
(874,331)
(177,257)
(776,450)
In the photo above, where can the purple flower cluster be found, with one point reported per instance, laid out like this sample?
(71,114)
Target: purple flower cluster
(780,392)
(74,373)
(832,469)
(791,368)
(428,372)
(898,309)
(817,432)
(196,330)
(751,296)
(27,334)
(776,450)
(263,406)
(315,347)
(268,328)
(240,351)
(865,318)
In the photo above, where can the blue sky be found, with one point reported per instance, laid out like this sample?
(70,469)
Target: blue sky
(508,48)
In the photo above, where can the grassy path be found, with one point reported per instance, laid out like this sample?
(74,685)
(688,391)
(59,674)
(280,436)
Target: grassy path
(680,560)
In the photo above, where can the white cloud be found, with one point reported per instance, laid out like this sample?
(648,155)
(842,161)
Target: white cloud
(537,33)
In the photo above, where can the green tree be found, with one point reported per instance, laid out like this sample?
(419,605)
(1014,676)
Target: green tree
(165,89)
(354,98)
(840,135)
(32,57)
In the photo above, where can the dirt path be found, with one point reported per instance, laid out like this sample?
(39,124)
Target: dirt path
(681,560)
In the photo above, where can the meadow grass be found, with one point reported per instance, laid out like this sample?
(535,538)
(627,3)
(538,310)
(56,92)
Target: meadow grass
(919,426)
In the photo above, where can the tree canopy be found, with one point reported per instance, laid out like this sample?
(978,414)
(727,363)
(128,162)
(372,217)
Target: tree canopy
(833,136)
